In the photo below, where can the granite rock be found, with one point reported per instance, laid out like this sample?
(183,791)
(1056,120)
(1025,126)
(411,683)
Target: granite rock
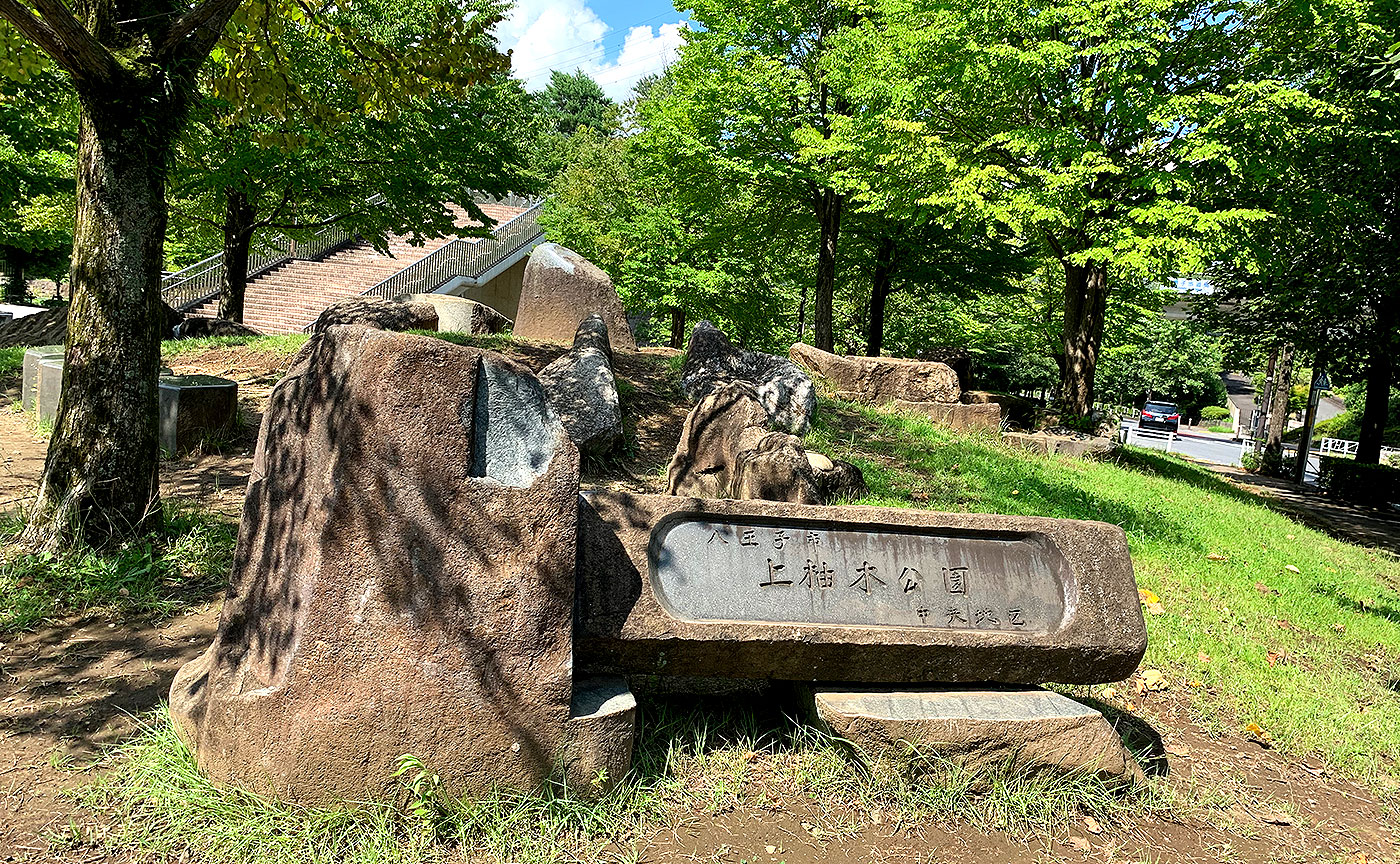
(583,391)
(1070,447)
(759,589)
(975,417)
(460,315)
(880,380)
(376,312)
(600,735)
(559,289)
(198,326)
(1024,731)
(403,581)
(784,390)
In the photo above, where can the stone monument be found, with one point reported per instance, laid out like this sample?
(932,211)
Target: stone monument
(559,289)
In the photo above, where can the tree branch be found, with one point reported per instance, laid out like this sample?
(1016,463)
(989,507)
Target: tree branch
(61,36)
(193,36)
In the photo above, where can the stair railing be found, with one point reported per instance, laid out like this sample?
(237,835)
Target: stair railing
(463,257)
(200,282)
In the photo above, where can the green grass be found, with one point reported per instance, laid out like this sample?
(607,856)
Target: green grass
(184,563)
(1222,430)
(11,362)
(1263,621)
(284,344)
(694,757)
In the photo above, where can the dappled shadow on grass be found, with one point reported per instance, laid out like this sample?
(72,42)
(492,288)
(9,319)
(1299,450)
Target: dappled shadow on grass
(1161,465)
(1386,610)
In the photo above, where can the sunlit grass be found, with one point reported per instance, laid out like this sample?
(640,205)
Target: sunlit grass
(1263,620)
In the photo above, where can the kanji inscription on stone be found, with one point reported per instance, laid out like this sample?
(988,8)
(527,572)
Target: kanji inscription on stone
(710,570)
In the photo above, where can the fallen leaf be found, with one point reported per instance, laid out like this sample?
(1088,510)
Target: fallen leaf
(1257,732)
(1339,628)
(772,849)
(1203,656)
(1131,706)
(1271,818)
(1215,556)
(1108,693)
(1264,589)
(1291,569)
(1151,679)
(1151,601)
(1080,843)
(1177,750)
(1015,491)
(1272,657)
(1092,825)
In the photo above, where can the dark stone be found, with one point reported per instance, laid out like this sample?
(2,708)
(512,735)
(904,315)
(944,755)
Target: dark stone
(675,586)
(403,582)
(1017,410)
(785,391)
(49,327)
(583,391)
(880,380)
(559,289)
(197,326)
(193,408)
(1023,731)
(378,313)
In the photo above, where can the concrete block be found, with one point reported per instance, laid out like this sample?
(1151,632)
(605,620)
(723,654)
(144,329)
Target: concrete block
(194,406)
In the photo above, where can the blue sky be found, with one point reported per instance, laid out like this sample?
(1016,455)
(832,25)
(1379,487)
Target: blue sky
(614,41)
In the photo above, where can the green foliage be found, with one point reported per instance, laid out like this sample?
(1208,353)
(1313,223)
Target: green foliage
(38,123)
(1340,603)
(184,563)
(11,362)
(1362,483)
(573,102)
(1174,361)
(1214,412)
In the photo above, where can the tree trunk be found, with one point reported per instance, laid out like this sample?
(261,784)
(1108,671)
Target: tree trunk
(1278,411)
(1379,371)
(1086,298)
(14,281)
(880,281)
(677,327)
(101,475)
(828,207)
(238,238)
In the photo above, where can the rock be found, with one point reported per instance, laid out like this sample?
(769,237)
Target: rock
(785,391)
(880,380)
(460,315)
(49,327)
(583,392)
(958,359)
(559,289)
(1069,446)
(697,588)
(1016,409)
(403,581)
(977,417)
(727,451)
(196,326)
(376,312)
(193,408)
(600,736)
(1022,731)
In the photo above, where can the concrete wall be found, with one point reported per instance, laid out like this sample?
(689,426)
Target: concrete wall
(502,293)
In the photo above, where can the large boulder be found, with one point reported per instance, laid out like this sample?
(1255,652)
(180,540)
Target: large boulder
(880,380)
(786,392)
(197,327)
(403,581)
(581,388)
(460,315)
(727,451)
(378,313)
(559,289)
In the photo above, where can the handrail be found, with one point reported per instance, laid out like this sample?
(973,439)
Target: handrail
(199,282)
(461,257)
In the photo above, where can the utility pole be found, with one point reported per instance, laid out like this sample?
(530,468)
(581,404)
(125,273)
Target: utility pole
(1319,383)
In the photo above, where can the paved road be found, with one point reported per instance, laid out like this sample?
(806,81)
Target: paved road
(1206,448)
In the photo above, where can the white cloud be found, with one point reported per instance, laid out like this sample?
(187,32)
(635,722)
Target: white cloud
(567,34)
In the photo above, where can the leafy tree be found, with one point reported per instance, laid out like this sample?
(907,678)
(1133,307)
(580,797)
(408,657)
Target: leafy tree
(1071,122)
(241,173)
(37,123)
(1157,358)
(134,67)
(574,101)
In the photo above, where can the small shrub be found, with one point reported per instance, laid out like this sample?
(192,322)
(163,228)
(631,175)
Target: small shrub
(1212,413)
(1361,483)
(1251,462)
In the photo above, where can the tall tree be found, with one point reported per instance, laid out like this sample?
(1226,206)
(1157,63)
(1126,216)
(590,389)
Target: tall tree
(37,143)
(134,66)
(1070,121)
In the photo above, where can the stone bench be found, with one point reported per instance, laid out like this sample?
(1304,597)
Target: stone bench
(29,387)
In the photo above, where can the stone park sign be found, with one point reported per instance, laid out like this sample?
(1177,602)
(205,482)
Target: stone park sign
(417,573)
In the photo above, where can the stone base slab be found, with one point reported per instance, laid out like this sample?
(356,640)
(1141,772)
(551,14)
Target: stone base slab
(193,407)
(1055,445)
(29,389)
(600,735)
(975,417)
(1025,730)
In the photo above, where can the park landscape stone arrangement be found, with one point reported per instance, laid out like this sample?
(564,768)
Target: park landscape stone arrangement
(419,572)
